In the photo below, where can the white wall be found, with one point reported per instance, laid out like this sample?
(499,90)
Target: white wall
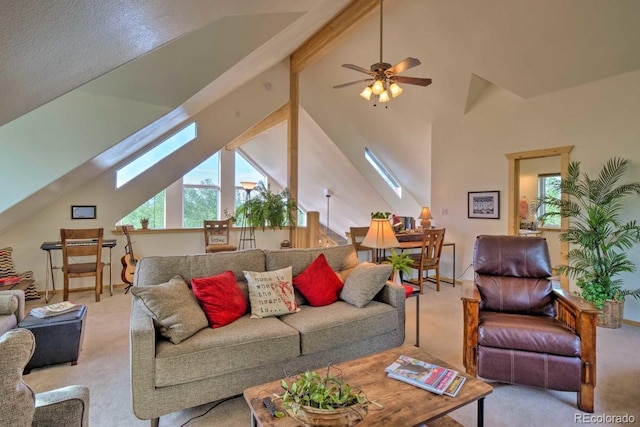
(599,119)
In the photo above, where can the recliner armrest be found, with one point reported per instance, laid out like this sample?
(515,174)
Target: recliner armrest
(470,297)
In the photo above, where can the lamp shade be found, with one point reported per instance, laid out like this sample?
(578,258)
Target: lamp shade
(247,185)
(425,217)
(380,235)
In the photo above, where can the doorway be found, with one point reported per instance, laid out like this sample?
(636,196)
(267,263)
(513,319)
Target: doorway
(515,193)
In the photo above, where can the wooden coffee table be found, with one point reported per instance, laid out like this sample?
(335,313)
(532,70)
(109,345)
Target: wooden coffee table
(401,404)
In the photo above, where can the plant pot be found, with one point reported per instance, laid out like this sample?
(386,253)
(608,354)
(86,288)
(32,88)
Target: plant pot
(349,416)
(612,313)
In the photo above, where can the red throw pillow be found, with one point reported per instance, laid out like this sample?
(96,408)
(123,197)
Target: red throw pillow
(319,284)
(221,298)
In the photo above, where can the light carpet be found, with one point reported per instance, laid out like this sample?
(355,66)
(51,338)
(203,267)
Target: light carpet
(104,367)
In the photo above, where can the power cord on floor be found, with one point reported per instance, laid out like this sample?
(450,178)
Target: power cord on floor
(465,270)
(215,405)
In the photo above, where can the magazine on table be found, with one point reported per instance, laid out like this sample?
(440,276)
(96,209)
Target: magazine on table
(455,386)
(54,309)
(434,378)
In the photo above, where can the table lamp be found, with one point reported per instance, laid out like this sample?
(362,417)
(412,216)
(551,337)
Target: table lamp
(425,217)
(380,236)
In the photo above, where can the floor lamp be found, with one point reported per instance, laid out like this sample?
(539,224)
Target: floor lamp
(247,242)
(328,193)
(380,237)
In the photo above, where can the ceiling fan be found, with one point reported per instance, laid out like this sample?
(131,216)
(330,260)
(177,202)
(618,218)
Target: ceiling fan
(384,76)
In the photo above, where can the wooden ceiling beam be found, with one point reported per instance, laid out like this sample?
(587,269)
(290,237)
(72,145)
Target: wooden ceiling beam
(325,39)
(275,118)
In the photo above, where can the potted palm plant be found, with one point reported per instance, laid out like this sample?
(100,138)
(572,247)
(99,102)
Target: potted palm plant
(269,209)
(599,238)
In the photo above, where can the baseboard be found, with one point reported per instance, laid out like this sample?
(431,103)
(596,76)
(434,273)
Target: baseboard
(89,288)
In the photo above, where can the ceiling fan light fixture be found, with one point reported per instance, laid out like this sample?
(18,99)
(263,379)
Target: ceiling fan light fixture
(395,89)
(366,93)
(384,97)
(378,87)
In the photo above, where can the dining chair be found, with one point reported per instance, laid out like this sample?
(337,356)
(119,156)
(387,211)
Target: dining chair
(85,243)
(357,236)
(429,256)
(216,236)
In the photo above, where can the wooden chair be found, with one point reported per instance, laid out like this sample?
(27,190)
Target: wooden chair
(357,236)
(85,242)
(429,256)
(216,236)
(519,328)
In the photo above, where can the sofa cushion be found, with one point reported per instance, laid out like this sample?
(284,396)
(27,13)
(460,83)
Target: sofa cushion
(173,308)
(339,324)
(220,297)
(318,283)
(271,293)
(158,269)
(540,334)
(241,345)
(516,294)
(364,282)
(340,258)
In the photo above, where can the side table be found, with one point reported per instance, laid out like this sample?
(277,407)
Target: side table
(58,338)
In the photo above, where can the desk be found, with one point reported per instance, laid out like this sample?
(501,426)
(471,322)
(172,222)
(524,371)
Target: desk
(414,241)
(57,246)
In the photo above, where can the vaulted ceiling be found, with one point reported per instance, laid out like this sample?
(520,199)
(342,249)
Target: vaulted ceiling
(519,49)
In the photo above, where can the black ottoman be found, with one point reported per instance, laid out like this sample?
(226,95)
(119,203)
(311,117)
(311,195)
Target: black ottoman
(58,338)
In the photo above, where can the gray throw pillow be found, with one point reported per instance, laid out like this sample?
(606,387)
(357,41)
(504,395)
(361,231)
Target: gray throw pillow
(173,307)
(364,282)
(18,401)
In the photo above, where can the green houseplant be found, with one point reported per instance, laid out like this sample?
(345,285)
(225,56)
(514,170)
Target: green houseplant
(266,208)
(599,238)
(401,263)
(321,400)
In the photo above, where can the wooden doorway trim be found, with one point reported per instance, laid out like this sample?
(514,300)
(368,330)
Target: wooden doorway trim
(514,192)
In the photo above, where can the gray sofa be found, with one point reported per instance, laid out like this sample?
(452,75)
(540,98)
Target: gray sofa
(222,362)
(11,309)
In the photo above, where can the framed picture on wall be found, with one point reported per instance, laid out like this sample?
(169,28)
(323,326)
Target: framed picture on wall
(483,204)
(83,212)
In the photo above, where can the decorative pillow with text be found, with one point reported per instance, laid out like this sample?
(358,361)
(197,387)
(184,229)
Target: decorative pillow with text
(271,293)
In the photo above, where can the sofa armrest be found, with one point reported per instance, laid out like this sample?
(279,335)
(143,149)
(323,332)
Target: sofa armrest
(19,294)
(470,297)
(395,296)
(142,353)
(67,406)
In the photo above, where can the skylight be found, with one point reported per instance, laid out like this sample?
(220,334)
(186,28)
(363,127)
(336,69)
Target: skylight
(383,171)
(157,153)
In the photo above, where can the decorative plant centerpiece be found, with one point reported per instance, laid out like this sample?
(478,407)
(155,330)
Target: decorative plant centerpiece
(268,209)
(324,401)
(600,239)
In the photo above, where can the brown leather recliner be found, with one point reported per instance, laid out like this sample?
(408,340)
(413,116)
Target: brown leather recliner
(519,329)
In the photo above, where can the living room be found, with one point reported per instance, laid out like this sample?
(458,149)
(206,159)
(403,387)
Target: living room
(571,80)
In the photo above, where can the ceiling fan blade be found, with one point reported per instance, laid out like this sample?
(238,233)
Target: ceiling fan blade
(352,83)
(403,65)
(413,80)
(356,68)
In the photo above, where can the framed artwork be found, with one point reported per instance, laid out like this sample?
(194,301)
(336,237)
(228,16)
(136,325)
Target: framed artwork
(483,204)
(83,212)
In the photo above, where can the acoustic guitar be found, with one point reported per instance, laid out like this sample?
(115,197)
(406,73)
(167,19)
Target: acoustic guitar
(129,260)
